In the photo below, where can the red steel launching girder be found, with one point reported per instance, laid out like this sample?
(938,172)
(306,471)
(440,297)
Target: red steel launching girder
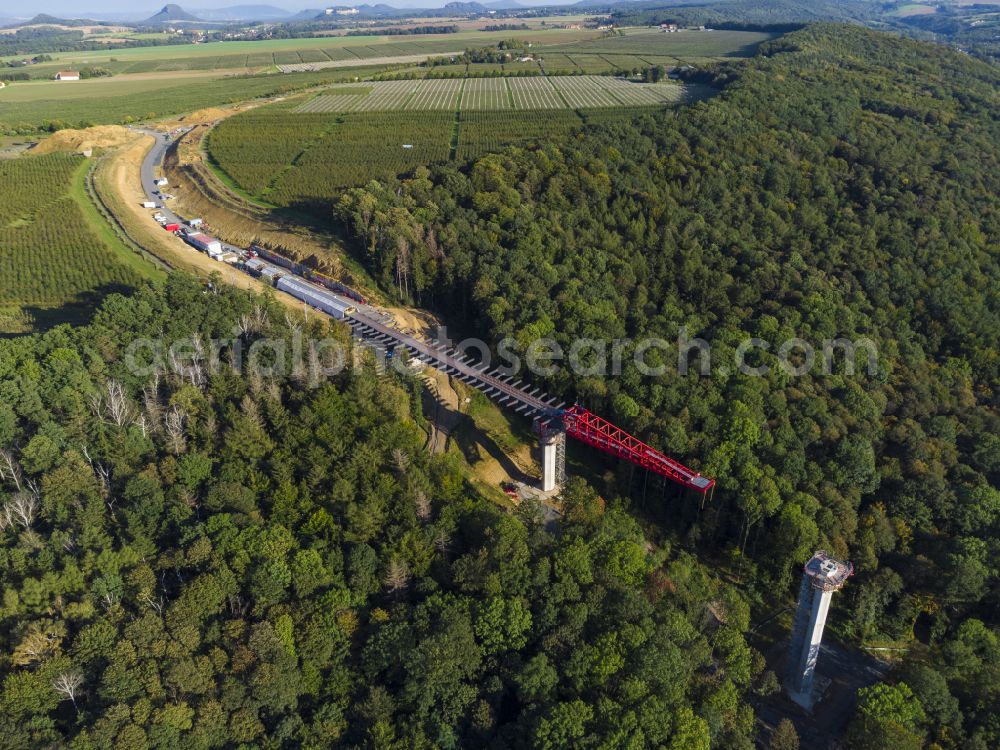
(601,434)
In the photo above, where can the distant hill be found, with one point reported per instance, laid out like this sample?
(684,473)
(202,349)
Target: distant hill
(44,19)
(381,10)
(246,13)
(170,14)
(463,8)
(309,14)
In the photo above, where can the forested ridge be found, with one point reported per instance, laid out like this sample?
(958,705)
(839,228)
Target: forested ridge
(209,558)
(843,183)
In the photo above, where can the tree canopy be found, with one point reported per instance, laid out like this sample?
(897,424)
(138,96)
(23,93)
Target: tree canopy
(841,185)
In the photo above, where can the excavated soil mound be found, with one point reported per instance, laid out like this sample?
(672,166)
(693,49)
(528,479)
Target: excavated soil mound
(100,136)
(201,117)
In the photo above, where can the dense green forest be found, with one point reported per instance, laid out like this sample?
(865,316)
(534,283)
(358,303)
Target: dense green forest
(205,557)
(844,183)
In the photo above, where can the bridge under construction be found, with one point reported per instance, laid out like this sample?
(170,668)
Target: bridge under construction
(553,420)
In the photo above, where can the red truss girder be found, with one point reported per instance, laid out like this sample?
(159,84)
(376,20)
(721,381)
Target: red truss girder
(601,434)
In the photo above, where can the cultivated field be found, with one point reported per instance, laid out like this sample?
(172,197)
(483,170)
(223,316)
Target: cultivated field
(680,45)
(486,93)
(56,257)
(25,107)
(154,82)
(232,55)
(360,148)
(302,156)
(556,50)
(300,67)
(482,132)
(532,93)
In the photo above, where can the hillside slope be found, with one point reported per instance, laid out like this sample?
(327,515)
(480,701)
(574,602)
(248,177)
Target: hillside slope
(217,557)
(843,185)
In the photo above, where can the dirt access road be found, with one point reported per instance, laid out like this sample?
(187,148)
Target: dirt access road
(121,176)
(129,171)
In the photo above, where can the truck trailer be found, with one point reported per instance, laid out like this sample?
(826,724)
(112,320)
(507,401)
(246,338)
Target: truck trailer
(331,304)
(253,266)
(270,274)
(204,243)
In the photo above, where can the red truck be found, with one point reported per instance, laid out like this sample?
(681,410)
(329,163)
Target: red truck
(172,227)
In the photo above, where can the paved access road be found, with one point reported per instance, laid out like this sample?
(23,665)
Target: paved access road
(147,173)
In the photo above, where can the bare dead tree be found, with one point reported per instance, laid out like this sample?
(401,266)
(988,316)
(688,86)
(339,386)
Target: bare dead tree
(422,505)
(403,265)
(151,403)
(191,370)
(117,405)
(274,391)
(21,509)
(432,245)
(255,321)
(398,576)
(255,380)
(188,498)
(10,470)
(237,607)
(315,367)
(111,599)
(299,374)
(69,684)
(156,604)
(37,644)
(196,372)
(103,474)
(173,425)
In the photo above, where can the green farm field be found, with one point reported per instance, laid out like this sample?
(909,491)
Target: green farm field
(26,107)
(57,255)
(301,155)
(682,45)
(589,51)
(381,43)
(536,92)
(166,81)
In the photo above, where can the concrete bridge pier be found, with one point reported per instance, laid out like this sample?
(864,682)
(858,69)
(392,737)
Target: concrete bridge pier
(821,576)
(553,446)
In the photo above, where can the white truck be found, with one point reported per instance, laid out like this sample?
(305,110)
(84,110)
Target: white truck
(148,204)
